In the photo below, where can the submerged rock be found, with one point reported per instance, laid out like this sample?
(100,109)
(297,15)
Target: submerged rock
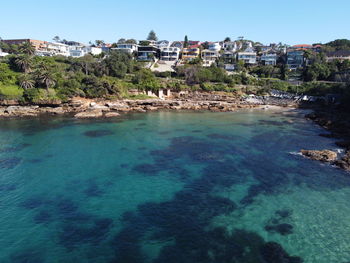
(323,156)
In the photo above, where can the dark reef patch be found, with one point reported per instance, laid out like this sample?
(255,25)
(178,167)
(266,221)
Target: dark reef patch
(274,253)
(93,189)
(9,163)
(7,187)
(43,217)
(98,133)
(27,256)
(15,148)
(34,202)
(73,235)
(124,165)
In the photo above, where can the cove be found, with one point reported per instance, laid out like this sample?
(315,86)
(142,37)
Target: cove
(171,187)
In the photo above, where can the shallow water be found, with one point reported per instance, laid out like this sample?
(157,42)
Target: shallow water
(170,187)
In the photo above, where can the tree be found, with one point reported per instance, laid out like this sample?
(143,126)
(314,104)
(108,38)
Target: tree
(118,64)
(205,45)
(131,41)
(56,39)
(26,81)
(27,48)
(146,80)
(24,63)
(152,36)
(186,42)
(99,43)
(227,39)
(46,78)
(121,41)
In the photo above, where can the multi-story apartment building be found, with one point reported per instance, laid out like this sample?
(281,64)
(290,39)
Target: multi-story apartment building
(209,57)
(190,53)
(148,53)
(269,58)
(248,56)
(129,48)
(169,53)
(295,59)
(37,44)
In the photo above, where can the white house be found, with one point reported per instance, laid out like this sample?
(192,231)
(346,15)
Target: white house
(169,53)
(162,43)
(129,48)
(57,49)
(214,46)
(248,56)
(209,57)
(80,51)
(269,58)
(3,54)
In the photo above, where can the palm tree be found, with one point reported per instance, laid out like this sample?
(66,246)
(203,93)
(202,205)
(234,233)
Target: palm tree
(46,78)
(26,81)
(24,62)
(27,48)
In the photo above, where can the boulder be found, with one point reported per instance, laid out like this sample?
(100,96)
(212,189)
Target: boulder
(323,156)
(112,114)
(89,114)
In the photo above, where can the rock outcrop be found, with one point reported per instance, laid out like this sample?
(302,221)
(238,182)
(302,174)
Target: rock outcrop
(96,113)
(323,156)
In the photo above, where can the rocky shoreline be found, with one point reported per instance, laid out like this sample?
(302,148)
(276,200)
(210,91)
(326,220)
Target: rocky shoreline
(337,122)
(85,108)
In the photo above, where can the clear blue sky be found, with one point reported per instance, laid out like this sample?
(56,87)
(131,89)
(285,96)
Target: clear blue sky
(267,21)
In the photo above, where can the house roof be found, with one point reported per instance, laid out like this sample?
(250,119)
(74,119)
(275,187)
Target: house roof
(302,46)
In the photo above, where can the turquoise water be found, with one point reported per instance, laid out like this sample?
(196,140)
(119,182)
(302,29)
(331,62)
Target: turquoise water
(170,187)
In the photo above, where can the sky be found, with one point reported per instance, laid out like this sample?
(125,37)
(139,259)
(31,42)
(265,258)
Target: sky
(267,21)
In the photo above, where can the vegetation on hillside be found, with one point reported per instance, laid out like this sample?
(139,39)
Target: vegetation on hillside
(35,79)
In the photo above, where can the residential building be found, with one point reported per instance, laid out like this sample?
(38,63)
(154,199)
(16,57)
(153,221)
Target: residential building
(148,53)
(209,57)
(169,53)
(338,55)
(3,54)
(37,44)
(295,59)
(269,58)
(229,57)
(162,43)
(178,44)
(214,46)
(190,53)
(230,45)
(128,48)
(55,49)
(77,51)
(80,51)
(248,56)
(93,50)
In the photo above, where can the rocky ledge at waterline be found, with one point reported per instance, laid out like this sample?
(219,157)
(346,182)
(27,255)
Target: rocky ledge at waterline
(328,156)
(83,108)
